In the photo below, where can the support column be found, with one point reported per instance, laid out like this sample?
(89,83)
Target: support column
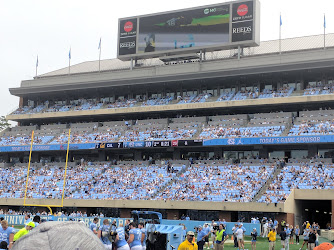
(102,155)
(312,150)
(137,155)
(34,157)
(288,217)
(176,154)
(218,152)
(263,153)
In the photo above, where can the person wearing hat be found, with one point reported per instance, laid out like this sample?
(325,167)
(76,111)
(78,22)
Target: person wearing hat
(188,244)
(24,230)
(201,237)
(254,238)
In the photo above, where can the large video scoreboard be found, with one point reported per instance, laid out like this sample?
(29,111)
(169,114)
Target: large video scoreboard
(208,28)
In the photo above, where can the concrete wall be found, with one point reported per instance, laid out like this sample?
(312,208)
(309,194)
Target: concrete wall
(314,194)
(142,204)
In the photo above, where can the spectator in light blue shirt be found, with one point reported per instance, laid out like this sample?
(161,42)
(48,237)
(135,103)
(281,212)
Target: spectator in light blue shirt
(27,218)
(103,234)
(200,238)
(142,228)
(121,243)
(135,237)
(6,233)
(93,226)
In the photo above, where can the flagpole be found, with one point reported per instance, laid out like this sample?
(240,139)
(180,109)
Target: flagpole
(324,31)
(36,65)
(280,33)
(69,62)
(100,47)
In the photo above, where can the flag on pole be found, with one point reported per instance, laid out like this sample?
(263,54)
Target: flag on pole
(280,20)
(99,48)
(99,44)
(36,65)
(324,21)
(69,54)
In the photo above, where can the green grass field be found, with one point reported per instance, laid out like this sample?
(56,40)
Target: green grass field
(263,244)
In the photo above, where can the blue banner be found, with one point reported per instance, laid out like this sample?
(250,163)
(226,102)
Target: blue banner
(270,140)
(47,147)
(19,219)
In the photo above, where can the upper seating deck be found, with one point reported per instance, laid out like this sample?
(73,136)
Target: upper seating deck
(181,128)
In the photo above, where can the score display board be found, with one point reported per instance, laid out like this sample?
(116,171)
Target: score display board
(209,28)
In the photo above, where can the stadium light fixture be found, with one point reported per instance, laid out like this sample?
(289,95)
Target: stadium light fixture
(317,211)
(306,209)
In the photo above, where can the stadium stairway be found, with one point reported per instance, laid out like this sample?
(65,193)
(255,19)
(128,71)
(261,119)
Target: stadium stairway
(4,131)
(264,188)
(168,183)
(288,126)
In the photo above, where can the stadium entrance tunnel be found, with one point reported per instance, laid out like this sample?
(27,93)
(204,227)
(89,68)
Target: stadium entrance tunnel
(318,211)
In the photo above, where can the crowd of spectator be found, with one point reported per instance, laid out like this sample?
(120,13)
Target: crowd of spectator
(301,176)
(123,182)
(186,131)
(154,101)
(220,131)
(122,102)
(24,140)
(319,89)
(212,127)
(281,92)
(217,183)
(324,127)
(132,181)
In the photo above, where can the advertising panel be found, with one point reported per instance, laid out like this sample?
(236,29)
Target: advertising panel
(242,21)
(127,36)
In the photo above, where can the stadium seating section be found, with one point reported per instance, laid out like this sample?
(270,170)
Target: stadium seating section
(211,181)
(106,103)
(228,126)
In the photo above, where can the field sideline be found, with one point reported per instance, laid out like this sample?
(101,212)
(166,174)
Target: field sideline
(262,244)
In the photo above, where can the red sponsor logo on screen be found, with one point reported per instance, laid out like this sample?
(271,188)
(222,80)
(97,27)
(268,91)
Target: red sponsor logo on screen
(242,10)
(128,26)
(174,143)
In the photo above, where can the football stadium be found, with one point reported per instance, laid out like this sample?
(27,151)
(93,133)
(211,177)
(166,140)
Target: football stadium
(197,119)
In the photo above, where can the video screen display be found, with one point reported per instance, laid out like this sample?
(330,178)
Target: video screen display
(184,29)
